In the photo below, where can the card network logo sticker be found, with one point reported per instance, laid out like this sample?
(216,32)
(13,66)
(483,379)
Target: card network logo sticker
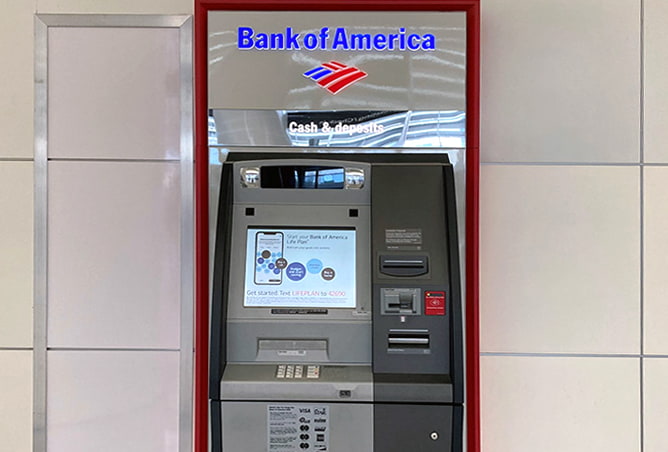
(335,76)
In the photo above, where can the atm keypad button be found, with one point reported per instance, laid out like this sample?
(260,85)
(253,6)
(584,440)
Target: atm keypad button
(313,372)
(299,371)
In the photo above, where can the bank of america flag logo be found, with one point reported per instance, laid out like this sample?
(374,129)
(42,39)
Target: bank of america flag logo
(335,76)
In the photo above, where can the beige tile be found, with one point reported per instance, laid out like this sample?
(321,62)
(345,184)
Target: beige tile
(114,93)
(117,6)
(16,257)
(114,254)
(656,404)
(656,74)
(560,259)
(551,404)
(560,81)
(656,260)
(16,78)
(112,401)
(15,401)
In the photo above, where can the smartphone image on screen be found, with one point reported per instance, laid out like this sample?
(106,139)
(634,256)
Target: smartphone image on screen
(268,248)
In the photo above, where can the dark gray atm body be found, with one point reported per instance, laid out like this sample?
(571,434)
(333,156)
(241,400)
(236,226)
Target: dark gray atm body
(383,373)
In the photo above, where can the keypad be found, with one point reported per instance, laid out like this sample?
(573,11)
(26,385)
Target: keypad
(297,371)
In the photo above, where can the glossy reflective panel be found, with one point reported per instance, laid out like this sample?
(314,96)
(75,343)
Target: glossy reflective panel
(560,80)
(16,253)
(16,89)
(114,93)
(655,308)
(559,404)
(559,259)
(113,254)
(655,76)
(349,129)
(15,400)
(112,401)
(396,78)
(656,404)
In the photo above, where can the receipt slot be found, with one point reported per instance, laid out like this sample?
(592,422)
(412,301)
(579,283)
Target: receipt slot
(336,313)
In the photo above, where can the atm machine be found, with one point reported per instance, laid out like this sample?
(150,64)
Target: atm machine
(336,313)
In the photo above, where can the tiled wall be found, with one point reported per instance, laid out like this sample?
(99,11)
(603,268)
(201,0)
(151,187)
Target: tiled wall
(16,226)
(574,188)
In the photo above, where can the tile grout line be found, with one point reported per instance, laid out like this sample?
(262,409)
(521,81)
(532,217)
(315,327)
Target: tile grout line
(642,227)
(110,349)
(111,160)
(572,355)
(561,355)
(594,164)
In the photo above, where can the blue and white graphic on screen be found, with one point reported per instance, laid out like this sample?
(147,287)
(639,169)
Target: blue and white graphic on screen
(300,268)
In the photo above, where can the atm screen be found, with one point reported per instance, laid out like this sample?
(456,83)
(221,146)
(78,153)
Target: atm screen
(300,268)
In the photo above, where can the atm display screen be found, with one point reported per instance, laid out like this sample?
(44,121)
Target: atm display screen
(300,268)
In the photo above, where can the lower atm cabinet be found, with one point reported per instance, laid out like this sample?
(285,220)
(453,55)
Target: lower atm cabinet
(336,427)
(417,428)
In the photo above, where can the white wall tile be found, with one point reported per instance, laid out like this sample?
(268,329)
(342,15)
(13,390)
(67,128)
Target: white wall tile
(117,6)
(656,74)
(112,401)
(560,80)
(16,79)
(656,260)
(16,255)
(656,405)
(15,401)
(113,254)
(114,93)
(560,259)
(551,404)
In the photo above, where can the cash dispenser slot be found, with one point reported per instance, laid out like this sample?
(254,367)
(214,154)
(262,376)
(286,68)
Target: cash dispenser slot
(293,350)
(404,340)
(394,265)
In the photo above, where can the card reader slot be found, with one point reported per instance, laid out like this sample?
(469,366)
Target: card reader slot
(404,265)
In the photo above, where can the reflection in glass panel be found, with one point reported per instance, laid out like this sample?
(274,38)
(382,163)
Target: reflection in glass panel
(350,129)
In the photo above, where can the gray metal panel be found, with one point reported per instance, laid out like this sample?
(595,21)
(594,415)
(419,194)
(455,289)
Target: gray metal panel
(347,341)
(419,428)
(245,427)
(397,80)
(258,382)
(410,391)
(346,330)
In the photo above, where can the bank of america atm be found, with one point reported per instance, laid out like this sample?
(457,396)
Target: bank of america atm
(336,315)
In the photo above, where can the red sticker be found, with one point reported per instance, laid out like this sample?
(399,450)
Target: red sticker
(434,303)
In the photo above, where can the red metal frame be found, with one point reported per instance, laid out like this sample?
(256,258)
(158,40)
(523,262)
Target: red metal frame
(202,7)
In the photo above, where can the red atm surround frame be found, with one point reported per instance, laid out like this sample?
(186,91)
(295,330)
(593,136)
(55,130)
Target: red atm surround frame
(472,9)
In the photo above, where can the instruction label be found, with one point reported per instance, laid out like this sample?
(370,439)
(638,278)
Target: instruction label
(296,428)
(410,238)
